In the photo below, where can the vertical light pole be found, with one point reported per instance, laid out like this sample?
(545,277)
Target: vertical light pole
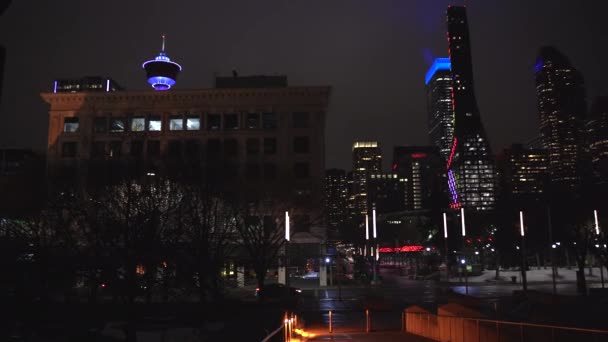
(445,236)
(523,251)
(366,232)
(287,239)
(374,244)
(597,232)
(463,261)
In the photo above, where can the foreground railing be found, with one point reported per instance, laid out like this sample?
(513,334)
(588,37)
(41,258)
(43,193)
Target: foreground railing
(465,329)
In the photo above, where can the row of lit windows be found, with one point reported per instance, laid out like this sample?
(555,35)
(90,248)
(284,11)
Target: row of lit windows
(152,123)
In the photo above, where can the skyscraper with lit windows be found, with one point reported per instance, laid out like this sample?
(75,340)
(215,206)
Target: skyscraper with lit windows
(439,104)
(561,107)
(367,158)
(471,170)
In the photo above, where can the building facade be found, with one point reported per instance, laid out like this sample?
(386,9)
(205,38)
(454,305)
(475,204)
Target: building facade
(421,170)
(336,197)
(470,164)
(597,137)
(439,105)
(367,159)
(264,142)
(386,192)
(524,172)
(561,107)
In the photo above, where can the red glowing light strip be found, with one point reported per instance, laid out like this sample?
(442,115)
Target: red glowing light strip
(452,152)
(418,155)
(402,249)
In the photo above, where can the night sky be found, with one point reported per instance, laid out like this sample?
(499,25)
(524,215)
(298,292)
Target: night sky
(374,53)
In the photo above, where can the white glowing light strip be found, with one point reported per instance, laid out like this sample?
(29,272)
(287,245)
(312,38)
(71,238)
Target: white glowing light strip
(445,226)
(377,252)
(521,223)
(464,231)
(597,225)
(366,227)
(287,226)
(107,85)
(374,221)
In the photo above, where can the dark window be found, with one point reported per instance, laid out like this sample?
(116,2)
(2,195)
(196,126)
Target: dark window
(270,171)
(269,120)
(252,171)
(100,125)
(301,223)
(70,125)
(213,149)
(193,149)
(138,124)
(193,123)
(117,125)
(253,120)
(231,148)
(301,170)
(115,149)
(174,149)
(137,148)
(300,145)
(153,148)
(253,146)
(98,149)
(214,122)
(176,123)
(231,122)
(270,145)
(69,149)
(300,120)
(231,171)
(155,124)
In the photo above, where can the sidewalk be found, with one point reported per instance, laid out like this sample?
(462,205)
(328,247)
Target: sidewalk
(534,275)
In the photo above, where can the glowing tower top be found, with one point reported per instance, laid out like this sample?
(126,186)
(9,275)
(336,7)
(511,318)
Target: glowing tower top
(161,71)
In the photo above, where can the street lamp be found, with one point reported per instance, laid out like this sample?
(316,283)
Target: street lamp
(523,250)
(287,235)
(287,239)
(597,232)
(464,230)
(445,236)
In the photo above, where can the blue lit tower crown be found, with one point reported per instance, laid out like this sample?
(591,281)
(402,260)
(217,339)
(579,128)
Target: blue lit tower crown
(161,71)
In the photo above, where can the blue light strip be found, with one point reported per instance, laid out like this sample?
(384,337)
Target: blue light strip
(438,64)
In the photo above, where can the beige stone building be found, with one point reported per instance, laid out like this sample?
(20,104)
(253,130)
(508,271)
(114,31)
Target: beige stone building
(261,140)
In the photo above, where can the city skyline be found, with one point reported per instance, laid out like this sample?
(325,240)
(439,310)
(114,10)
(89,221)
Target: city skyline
(388,44)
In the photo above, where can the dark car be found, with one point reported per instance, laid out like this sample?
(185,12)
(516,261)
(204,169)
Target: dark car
(278,292)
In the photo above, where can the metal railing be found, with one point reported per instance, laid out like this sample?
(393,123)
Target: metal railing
(465,329)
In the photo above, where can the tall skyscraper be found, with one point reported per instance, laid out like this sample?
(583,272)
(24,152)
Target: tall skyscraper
(561,107)
(367,158)
(597,136)
(336,195)
(523,172)
(471,170)
(421,170)
(439,104)
(386,192)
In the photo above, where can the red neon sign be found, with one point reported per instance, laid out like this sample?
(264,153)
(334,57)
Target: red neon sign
(402,249)
(452,153)
(418,155)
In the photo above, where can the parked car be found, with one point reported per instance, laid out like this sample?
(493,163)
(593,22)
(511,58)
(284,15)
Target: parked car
(278,292)
(311,275)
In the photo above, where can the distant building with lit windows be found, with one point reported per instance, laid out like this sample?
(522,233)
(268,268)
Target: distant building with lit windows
(561,107)
(336,196)
(421,170)
(439,105)
(386,192)
(524,172)
(367,159)
(597,137)
(86,84)
(471,172)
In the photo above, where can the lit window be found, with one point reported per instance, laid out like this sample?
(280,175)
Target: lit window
(193,123)
(154,124)
(138,124)
(70,125)
(117,125)
(176,123)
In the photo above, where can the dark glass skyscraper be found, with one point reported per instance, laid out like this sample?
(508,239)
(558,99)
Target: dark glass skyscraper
(597,136)
(367,158)
(439,104)
(336,195)
(471,170)
(561,107)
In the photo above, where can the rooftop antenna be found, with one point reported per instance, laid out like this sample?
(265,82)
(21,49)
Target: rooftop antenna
(162,49)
